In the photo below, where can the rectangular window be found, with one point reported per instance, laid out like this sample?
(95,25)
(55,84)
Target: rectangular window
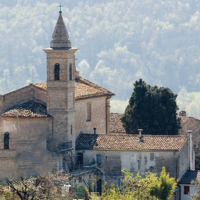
(99,160)
(182,158)
(151,156)
(88,114)
(186,189)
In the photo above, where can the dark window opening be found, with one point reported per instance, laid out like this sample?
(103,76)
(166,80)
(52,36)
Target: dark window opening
(79,158)
(6,140)
(71,129)
(98,160)
(57,72)
(186,189)
(70,71)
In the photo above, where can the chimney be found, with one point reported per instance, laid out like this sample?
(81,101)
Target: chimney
(140,135)
(94,131)
(190,149)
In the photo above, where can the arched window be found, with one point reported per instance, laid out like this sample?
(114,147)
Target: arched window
(70,71)
(57,72)
(6,141)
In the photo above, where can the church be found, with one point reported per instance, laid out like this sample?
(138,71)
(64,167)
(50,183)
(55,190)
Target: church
(66,122)
(42,116)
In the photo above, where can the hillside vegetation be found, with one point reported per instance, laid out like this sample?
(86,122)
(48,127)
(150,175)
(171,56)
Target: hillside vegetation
(119,42)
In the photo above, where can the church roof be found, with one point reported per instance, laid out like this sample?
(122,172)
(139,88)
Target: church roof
(60,31)
(60,35)
(83,89)
(30,108)
(129,142)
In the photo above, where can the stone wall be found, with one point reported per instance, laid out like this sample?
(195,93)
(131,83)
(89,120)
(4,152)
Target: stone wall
(98,116)
(27,154)
(19,96)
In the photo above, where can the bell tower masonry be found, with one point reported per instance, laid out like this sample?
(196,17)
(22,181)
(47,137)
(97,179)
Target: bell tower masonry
(61,83)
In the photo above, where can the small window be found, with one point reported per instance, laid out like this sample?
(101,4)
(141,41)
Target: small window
(98,160)
(186,189)
(70,71)
(182,158)
(79,158)
(6,141)
(71,130)
(88,117)
(151,156)
(57,72)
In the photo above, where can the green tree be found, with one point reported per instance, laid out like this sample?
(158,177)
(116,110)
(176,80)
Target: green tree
(153,109)
(136,187)
(163,188)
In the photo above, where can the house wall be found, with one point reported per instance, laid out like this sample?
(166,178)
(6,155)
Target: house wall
(98,115)
(132,161)
(187,196)
(183,166)
(27,154)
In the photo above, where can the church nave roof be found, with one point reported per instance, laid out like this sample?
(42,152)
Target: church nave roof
(83,89)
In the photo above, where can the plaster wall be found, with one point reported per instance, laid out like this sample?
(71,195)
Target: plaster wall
(187,196)
(98,116)
(183,166)
(132,161)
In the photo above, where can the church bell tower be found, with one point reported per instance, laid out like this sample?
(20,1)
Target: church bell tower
(61,83)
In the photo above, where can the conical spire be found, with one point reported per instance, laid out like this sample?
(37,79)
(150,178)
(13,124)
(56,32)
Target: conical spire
(60,35)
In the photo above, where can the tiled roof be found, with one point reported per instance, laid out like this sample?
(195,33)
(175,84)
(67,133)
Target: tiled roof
(83,89)
(28,109)
(129,142)
(116,124)
(189,177)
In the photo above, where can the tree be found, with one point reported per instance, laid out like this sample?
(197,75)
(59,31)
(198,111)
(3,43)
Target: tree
(152,109)
(163,188)
(36,188)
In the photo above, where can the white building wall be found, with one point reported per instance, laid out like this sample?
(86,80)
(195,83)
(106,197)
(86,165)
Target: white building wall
(187,196)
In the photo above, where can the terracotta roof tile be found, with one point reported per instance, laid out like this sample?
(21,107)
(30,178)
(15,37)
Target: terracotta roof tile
(116,124)
(28,109)
(189,177)
(129,142)
(83,89)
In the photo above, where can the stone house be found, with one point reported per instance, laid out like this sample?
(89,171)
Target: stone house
(113,153)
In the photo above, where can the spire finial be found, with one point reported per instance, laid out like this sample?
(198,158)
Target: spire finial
(60,8)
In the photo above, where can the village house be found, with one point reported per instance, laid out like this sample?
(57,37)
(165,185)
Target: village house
(65,124)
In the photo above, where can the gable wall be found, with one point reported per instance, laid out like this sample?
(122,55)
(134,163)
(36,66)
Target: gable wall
(98,115)
(19,96)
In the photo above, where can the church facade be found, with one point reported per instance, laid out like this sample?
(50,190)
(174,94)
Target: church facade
(40,122)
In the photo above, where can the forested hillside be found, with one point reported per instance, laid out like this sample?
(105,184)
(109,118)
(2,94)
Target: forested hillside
(119,42)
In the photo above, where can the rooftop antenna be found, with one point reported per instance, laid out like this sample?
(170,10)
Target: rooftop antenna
(60,8)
